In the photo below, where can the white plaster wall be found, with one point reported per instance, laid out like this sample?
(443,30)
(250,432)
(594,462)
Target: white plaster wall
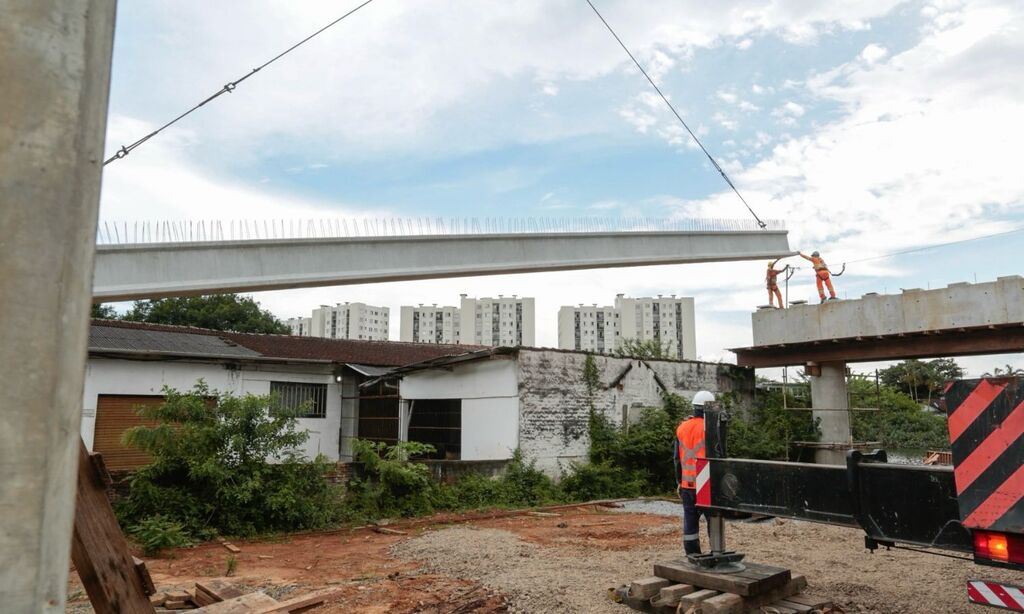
(490,404)
(134,377)
(490,428)
(473,380)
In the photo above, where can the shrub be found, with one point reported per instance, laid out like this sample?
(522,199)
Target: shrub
(391,484)
(158,533)
(602,480)
(226,464)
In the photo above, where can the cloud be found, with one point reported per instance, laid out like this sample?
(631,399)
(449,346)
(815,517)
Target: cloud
(872,53)
(395,76)
(744,44)
(917,153)
(160,182)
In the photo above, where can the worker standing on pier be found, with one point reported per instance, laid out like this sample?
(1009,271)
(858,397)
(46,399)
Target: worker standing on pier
(821,275)
(771,279)
(688,447)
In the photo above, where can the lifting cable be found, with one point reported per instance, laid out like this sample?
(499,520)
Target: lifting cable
(228,88)
(928,247)
(672,108)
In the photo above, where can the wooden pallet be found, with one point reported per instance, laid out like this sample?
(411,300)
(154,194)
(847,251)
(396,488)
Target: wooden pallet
(678,587)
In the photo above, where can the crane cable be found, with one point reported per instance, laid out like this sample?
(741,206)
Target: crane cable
(227,89)
(672,108)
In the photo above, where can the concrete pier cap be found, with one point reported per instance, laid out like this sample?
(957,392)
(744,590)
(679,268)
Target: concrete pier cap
(960,319)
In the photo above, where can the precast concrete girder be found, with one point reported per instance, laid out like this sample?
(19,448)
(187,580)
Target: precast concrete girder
(128,272)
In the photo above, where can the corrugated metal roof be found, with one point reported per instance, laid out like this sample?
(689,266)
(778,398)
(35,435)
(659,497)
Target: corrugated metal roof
(273,347)
(109,338)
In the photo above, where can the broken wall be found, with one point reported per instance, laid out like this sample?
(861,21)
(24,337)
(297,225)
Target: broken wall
(553,406)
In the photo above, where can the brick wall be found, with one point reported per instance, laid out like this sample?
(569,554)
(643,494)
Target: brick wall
(553,397)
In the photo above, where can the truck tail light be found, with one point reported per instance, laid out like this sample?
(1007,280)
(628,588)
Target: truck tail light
(999,547)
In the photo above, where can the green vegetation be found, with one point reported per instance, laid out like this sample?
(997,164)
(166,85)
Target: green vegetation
(650,349)
(922,380)
(103,312)
(224,465)
(900,421)
(217,311)
(157,533)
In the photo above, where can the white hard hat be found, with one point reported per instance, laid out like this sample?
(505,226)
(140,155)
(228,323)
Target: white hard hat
(703,398)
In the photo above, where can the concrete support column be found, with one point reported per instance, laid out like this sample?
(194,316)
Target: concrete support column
(55,75)
(828,392)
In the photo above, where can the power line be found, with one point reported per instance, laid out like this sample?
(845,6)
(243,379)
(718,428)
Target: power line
(936,246)
(718,168)
(227,89)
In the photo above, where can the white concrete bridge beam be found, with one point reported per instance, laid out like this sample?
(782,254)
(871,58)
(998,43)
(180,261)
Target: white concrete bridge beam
(172,269)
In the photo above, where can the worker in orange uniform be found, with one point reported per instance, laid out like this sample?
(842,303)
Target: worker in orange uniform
(771,279)
(821,275)
(689,446)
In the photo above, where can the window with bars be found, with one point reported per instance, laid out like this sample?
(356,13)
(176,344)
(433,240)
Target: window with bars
(310,400)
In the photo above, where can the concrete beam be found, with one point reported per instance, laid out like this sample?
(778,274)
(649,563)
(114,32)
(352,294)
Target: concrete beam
(126,272)
(55,71)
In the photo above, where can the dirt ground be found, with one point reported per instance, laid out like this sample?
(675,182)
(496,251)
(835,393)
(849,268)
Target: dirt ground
(562,563)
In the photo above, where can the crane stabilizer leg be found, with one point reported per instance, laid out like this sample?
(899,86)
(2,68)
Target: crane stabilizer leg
(719,560)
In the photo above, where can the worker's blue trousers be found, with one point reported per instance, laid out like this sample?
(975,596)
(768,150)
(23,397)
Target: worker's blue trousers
(691,521)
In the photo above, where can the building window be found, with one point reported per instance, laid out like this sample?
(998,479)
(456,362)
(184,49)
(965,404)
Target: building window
(310,400)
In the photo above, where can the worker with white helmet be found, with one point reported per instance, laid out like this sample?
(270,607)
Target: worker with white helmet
(689,446)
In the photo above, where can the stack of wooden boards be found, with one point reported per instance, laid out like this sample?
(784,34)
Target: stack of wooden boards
(678,587)
(220,597)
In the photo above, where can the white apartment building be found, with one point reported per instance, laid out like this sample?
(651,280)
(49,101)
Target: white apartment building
(430,324)
(344,321)
(589,329)
(666,320)
(503,321)
(301,327)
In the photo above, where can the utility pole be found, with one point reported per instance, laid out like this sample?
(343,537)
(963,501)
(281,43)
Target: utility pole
(55,69)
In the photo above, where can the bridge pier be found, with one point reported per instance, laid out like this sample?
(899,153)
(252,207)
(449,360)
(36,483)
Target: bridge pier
(829,399)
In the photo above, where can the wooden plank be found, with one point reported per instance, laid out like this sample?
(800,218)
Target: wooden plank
(143,572)
(794,586)
(246,604)
(814,601)
(301,603)
(218,589)
(684,573)
(232,548)
(778,608)
(688,601)
(797,607)
(645,588)
(202,599)
(99,549)
(726,603)
(670,595)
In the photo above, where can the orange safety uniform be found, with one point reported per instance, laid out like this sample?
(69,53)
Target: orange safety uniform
(770,279)
(821,276)
(690,440)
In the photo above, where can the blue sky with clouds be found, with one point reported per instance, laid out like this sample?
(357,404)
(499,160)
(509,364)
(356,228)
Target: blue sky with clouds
(868,127)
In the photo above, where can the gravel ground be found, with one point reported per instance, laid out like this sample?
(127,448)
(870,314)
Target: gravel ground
(574,576)
(650,506)
(538,579)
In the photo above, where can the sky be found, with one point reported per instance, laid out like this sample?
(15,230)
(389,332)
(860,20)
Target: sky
(868,127)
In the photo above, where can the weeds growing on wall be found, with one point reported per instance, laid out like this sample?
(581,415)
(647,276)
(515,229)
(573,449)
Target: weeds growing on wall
(223,464)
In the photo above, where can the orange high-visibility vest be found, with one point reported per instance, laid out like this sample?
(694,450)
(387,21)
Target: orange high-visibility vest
(690,435)
(818,263)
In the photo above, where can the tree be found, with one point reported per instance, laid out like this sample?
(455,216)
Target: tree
(217,311)
(226,464)
(103,312)
(1007,371)
(921,379)
(649,349)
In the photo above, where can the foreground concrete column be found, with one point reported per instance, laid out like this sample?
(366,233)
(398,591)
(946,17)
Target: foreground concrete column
(828,392)
(55,74)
